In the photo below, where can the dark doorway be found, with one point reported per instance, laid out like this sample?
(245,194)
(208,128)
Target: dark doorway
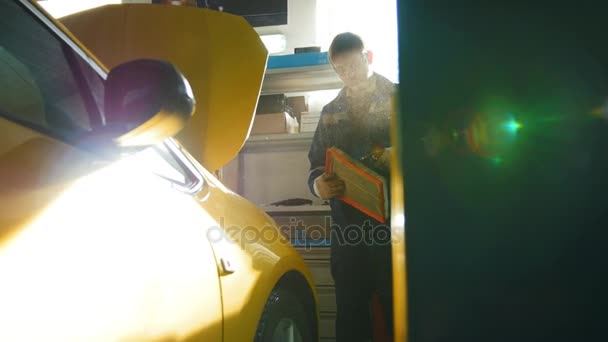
(504,129)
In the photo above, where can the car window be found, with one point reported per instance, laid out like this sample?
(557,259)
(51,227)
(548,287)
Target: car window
(45,84)
(21,96)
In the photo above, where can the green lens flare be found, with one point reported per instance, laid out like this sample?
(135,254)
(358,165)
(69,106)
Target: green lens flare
(512,126)
(492,135)
(497,160)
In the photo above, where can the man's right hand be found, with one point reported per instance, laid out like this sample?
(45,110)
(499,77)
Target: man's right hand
(329,186)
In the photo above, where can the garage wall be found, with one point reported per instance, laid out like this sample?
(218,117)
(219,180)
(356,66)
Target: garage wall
(301,25)
(316,22)
(375,22)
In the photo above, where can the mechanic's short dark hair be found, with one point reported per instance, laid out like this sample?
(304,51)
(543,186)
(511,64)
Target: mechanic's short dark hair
(345,42)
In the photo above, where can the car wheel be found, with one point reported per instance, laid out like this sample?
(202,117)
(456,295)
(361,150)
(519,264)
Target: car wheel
(284,319)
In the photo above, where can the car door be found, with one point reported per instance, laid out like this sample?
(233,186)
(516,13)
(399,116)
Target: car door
(92,247)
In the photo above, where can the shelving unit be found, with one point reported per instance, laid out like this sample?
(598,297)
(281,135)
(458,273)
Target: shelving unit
(278,142)
(274,167)
(280,161)
(300,79)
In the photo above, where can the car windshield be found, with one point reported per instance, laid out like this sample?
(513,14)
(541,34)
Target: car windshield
(45,84)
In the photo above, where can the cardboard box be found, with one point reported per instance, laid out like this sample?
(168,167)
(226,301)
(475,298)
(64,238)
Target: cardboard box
(274,123)
(310,117)
(299,104)
(268,104)
(314,119)
(308,127)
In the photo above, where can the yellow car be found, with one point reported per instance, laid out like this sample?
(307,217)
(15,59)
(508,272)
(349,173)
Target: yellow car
(111,229)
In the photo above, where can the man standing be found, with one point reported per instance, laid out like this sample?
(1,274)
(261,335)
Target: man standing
(357,122)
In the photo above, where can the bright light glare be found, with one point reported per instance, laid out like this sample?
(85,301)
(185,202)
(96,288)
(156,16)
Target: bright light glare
(374,21)
(118,255)
(513,126)
(275,43)
(61,8)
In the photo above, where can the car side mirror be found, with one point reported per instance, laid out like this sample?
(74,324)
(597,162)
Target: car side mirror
(146,101)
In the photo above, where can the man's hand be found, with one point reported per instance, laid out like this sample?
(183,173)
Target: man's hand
(329,186)
(384,159)
(379,158)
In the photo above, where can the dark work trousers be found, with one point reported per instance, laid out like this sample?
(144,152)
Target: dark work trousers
(360,267)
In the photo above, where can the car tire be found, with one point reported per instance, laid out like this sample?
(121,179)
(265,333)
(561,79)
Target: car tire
(284,319)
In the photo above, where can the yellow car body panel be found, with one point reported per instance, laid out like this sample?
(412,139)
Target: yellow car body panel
(219,53)
(93,249)
(87,253)
(259,253)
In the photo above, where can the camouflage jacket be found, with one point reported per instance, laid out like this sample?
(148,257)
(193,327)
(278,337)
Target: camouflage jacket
(354,129)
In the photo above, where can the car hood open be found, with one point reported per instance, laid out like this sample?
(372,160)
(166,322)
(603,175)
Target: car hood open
(220,54)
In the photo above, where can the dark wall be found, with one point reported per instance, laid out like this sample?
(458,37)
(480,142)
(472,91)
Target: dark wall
(505,169)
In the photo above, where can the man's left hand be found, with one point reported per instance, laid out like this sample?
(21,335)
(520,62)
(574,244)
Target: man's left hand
(384,160)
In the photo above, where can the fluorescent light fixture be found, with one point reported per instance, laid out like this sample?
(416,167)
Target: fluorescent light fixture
(275,43)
